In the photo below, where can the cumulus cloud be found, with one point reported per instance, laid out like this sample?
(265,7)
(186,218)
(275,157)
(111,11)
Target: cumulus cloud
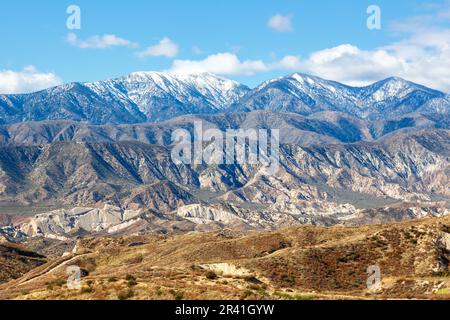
(165,48)
(26,81)
(351,65)
(99,42)
(423,57)
(229,64)
(280,23)
(221,63)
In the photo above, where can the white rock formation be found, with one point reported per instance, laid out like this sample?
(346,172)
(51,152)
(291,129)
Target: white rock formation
(62,222)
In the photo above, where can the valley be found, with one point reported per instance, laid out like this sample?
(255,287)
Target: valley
(87,179)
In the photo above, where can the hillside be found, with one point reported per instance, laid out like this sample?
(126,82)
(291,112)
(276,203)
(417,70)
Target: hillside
(302,262)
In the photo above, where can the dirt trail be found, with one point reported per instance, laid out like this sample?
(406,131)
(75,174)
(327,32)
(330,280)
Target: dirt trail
(49,269)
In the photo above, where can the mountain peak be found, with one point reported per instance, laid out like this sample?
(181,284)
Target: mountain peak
(397,87)
(158,96)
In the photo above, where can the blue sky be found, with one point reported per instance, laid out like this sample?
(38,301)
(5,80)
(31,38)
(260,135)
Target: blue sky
(236,39)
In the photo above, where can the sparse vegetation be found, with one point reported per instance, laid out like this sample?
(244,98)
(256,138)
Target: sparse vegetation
(247,293)
(288,280)
(131,281)
(177,295)
(287,296)
(211,275)
(444,291)
(126,295)
(86,289)
(321,263)
(56,283)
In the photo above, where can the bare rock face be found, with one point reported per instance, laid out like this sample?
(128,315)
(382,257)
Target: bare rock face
(12,234)
(201,214)
(443,249)
(400,176)
(59,223)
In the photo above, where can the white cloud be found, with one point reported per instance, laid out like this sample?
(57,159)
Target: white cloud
(423,57)
(99,42)
(26,81)
(221,63)
(288,63)
(166,48)
(280,23)
(349,64)
(230,64)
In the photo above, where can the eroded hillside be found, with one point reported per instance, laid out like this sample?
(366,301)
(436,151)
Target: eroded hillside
(303,262)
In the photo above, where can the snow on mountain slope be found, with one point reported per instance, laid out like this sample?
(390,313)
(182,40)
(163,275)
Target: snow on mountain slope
(396,96)
(298,93)
(138,97)
(162,96)
(155,96)
(306,95)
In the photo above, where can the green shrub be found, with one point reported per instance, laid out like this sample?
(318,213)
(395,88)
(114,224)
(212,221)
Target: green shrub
(158,292)
(177,295)
(130,277)
(211,275)
(87,290)
(132,283)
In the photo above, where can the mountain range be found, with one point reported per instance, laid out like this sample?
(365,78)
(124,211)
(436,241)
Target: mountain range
(87,179)
(153,97)
(96,157)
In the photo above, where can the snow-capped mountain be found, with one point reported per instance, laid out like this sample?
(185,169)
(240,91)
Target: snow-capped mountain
(300,94)
(75,101)
(155,96)
(138,97)
(396,96)
(161,96)
(306,95)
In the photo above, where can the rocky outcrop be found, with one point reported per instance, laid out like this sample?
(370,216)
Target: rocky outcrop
(202,214)
(60,223)
(404,175)
(12,234)
(443,250)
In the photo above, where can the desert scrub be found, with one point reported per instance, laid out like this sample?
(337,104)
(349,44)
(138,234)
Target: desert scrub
(288,280)
(261,290)
(177,295)
(125,295)
(287,296)
(86,289)
(135,259)
(56,283)
(158,291)
(131,281)
(89,265)
(247,293)
(211,275)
